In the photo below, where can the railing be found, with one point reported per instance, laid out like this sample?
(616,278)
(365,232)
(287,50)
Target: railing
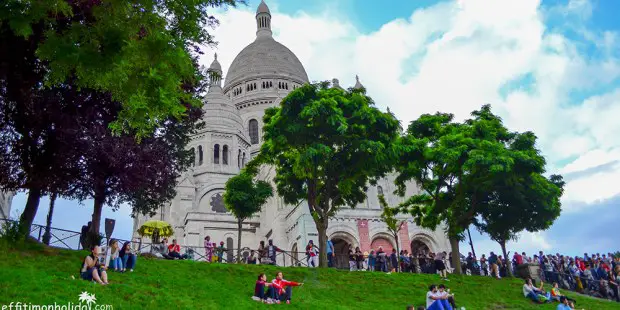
(58,238)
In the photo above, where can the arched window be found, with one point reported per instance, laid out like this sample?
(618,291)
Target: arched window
(286,86)
(243,160)
(216,154)
(379,190)
(193,156)
(239,159)
(225,155)
(253,131)
(200,155)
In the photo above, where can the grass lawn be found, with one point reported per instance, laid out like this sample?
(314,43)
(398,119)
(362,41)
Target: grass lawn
(43,276)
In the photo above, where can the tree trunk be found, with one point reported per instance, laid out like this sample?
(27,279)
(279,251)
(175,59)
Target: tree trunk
(508,262)
(27,217)
(397,252)
(456,259)
(239,227)
(471,243)
(97,208)
(48,225)
(321,226)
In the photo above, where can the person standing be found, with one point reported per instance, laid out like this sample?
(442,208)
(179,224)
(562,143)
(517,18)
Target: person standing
(372,259)
(493,261)
(440,265)
(352,262)
(209,246)
(272,251)
(262,253)
(312,254)
(359,256)
(330,253)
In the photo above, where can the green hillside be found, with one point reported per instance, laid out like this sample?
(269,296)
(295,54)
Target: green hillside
(45,276)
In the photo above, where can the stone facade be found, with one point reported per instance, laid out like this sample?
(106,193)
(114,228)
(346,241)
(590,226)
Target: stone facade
(5,204)
(260,76)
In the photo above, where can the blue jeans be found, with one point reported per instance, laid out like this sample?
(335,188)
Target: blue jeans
(116,263)
(286,295)
(440,304)
(129,261)
(330,260)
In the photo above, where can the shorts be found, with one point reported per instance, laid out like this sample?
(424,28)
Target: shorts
(439,265)
(88,274)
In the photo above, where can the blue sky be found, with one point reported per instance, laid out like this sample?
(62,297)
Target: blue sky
(552,67)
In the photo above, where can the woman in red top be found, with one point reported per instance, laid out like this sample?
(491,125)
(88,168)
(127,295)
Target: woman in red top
(281,290)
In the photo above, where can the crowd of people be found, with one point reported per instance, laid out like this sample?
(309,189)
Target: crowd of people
(596,275)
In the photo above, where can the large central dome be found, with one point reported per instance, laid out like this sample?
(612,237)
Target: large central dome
(265,57)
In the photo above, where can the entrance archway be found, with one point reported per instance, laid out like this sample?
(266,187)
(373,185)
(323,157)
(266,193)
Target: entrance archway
(383,243)
(419,247)
(294,256)
(341,250)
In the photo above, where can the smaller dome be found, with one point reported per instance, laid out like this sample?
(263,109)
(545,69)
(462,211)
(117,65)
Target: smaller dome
(263,8)
(215,65)
(358,85)
(220,115)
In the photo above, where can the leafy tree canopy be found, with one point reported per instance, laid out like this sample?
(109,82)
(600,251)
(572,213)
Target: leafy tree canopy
(460,166)
(327,145)
(245,196)
(140,51)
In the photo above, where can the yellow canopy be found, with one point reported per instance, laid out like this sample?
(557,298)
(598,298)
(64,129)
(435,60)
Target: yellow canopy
(150,227)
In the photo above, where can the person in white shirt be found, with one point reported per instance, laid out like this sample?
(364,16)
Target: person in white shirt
(435,301)
(441,290)
(536,294)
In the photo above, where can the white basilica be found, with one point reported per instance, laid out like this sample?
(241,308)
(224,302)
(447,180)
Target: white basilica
(261,75)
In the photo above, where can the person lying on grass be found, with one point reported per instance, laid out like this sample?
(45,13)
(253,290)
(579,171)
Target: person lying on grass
(538,295)
(259,289)
(91,269)
(557,295)
(435,301)
(281,290)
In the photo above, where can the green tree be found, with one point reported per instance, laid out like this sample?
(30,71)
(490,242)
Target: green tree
(519,198)
(244,197)
(433,153)
(453,163)
(388,216)
(139,51)
(327,145)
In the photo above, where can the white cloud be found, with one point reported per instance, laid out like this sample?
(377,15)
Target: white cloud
(456,56)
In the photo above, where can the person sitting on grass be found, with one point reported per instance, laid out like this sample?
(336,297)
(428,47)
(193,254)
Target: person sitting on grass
(127,257)
(565,304)
(112,255)
(557,295)
(535,294)
(91,269)
(281,290)
(446,293)
(174,250)
(434,301)
(259,289)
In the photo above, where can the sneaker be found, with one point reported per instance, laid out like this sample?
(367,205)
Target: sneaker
(130,270)
(288,302)
(277,302)
(255,298)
